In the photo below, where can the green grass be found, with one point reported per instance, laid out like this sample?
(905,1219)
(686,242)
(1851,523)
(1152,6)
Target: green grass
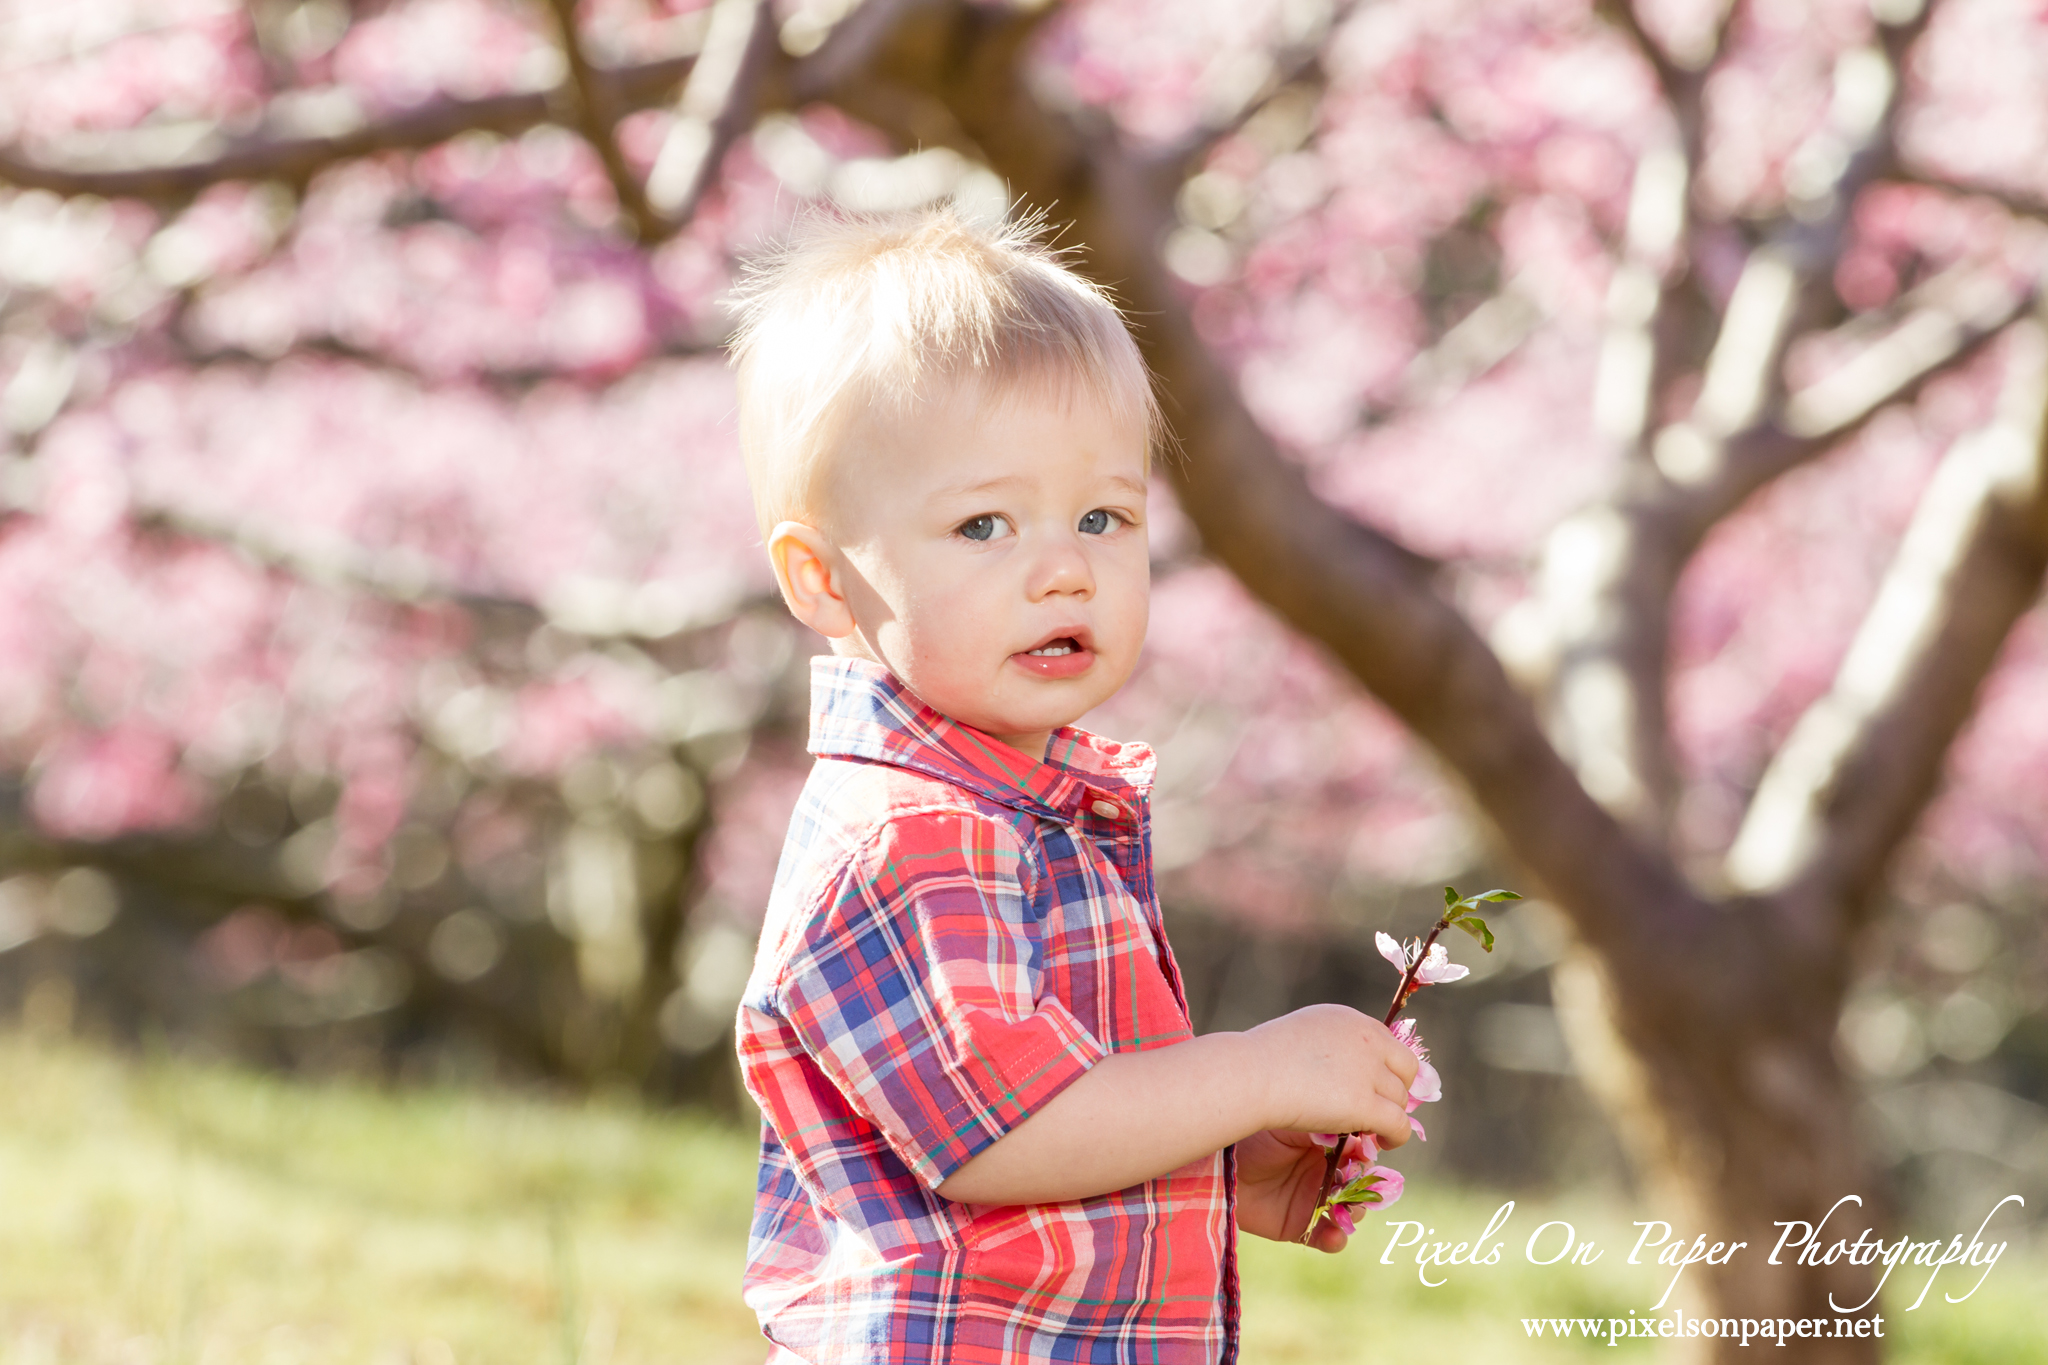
(168,1212)
(160,1212)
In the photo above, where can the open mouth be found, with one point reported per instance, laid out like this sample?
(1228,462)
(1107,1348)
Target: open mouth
(1068,654)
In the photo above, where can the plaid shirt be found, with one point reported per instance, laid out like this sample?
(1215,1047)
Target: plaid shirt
(957,933)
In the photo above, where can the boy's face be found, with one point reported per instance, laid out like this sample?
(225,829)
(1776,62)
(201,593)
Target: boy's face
(991,553)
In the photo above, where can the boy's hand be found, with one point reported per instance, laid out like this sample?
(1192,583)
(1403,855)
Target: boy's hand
(1330,1069)
(1279,1174)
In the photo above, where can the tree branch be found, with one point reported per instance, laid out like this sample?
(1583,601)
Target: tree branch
(1622,17)
(855,41)
(297,159)
(1611,570)
(1789,278)
(2019,203)
(506,380)
(1683,83)
(1597,652)
(398,577)
(1472,347)
(597,120)
(1298,59)
(1859,766)
(718,103)
(600,612)
(1946,322)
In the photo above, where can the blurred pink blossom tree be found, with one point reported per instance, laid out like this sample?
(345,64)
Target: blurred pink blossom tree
(1638,404)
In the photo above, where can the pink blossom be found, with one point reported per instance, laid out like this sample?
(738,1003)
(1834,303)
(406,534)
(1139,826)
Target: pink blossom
(1370,1145)
(1426,1088)
(1436,964)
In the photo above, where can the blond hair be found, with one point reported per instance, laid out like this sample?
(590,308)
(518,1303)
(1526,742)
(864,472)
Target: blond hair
(872,310)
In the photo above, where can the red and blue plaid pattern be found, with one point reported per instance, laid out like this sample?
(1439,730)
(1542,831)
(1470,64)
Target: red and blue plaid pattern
(957,933)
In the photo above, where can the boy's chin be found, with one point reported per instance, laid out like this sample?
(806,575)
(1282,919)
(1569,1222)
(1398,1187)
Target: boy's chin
(1040,724)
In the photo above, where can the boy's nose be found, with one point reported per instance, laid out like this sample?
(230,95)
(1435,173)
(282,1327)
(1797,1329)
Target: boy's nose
(1061,569)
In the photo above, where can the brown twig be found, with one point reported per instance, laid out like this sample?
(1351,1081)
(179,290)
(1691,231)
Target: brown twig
(496,378)
(718,104)
(597,120)
(297,159)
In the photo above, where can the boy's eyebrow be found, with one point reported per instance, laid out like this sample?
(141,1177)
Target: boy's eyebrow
(1006,480)
(982,485)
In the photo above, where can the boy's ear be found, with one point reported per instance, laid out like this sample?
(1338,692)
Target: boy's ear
(804,569)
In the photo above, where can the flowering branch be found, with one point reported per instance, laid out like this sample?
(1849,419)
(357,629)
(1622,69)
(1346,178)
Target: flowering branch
(1347,1182)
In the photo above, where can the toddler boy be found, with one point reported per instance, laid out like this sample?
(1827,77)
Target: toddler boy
(990,1134)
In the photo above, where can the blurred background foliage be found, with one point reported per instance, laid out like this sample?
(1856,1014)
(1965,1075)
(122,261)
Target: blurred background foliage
(393,687)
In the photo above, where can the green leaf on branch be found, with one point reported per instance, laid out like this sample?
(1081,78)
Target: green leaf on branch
(1476,927)
(1474,902)
(1459,910)
(1359,1191)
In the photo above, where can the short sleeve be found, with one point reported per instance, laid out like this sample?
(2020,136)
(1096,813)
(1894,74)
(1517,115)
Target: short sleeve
(920,990)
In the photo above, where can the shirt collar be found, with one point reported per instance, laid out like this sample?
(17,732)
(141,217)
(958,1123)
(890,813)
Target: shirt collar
(860,710)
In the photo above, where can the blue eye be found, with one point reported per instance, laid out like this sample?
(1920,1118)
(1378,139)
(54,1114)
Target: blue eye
(982,527)
(1095,523)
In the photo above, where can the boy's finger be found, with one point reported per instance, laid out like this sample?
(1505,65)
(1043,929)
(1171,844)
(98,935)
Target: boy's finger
(1392,1089)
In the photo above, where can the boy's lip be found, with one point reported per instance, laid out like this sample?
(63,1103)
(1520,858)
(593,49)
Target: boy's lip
(1059,665)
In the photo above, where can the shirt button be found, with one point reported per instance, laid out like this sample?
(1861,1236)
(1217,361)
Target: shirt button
(1106,809)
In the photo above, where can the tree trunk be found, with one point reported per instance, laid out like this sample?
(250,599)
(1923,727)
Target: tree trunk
(1738,1123)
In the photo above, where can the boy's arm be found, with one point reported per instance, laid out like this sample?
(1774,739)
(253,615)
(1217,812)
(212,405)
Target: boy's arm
(1137,1115)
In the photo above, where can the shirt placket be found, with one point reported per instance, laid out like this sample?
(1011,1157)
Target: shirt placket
(1129,820)
(1134,869)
